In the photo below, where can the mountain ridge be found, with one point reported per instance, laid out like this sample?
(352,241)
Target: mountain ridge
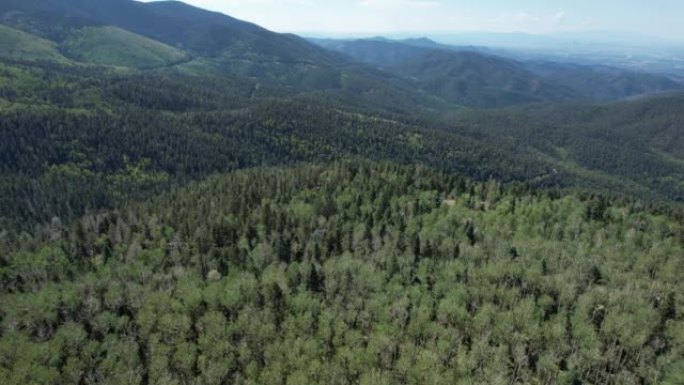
(419,72)
(565,81)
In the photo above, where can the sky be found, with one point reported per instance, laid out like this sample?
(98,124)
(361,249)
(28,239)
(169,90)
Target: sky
(661,18)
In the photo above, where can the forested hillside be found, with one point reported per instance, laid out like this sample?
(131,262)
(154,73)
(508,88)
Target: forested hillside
(348,274)
(188,198)
(414,74)
(173,37)
(75,138)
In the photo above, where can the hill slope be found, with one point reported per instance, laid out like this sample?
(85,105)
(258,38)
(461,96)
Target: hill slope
(218,44)
(15,44)
(118,136)
(221,38)
(604,83)
(464,77)
(114,46)
(478,80)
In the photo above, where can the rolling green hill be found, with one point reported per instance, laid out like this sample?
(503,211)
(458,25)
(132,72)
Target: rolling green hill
(114,46)
(120,135)
(464,77)
(477,80)
(632,143)
(603,83)
(15,44)
(224,42)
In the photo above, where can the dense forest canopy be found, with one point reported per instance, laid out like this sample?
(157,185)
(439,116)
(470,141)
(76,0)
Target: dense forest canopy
(85,138)
(187,198)
(348,273)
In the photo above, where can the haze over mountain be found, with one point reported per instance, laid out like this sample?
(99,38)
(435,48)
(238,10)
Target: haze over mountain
(381,17)
(636,52)
(475,76)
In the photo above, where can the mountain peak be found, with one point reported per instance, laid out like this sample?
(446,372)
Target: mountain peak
(420,40)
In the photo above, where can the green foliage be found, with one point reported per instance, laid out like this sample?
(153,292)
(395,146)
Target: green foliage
(603,83)
(74,139)
(117,47)
(477,80)
(348,273)
(18,45)
(123,260)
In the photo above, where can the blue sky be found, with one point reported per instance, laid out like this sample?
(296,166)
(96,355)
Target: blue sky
(649,17)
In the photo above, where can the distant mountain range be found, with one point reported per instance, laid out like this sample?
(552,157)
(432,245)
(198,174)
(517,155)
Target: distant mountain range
(404,75)
(633,52)
(173,36)
(474,76)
